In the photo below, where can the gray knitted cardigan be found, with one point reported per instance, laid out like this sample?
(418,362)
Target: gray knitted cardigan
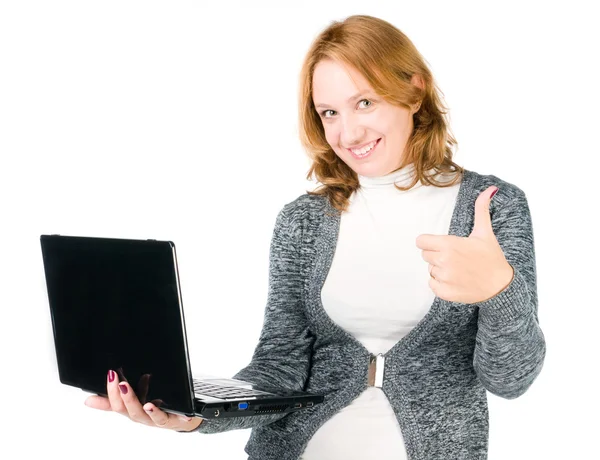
(435,377)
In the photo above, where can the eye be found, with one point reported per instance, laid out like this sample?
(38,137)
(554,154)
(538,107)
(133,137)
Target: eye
(324,113)
(366,100)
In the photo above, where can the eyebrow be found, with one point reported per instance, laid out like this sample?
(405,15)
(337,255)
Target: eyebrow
(350,99)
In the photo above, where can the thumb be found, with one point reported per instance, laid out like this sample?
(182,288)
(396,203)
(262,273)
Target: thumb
(98,402)
(483,221)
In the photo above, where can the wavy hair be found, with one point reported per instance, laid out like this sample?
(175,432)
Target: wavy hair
(388,60)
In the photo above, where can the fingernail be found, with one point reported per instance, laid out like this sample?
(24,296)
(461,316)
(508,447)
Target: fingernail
(493,193)
(149,410)
(111,376)
(123,389)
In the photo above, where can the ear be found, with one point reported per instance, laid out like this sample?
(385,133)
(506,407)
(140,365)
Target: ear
(417,80)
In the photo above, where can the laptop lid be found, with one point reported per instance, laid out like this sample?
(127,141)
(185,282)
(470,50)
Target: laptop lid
(116,304)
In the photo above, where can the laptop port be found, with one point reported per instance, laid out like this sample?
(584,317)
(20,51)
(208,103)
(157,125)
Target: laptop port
(310,404)
(297,405)
(242,406)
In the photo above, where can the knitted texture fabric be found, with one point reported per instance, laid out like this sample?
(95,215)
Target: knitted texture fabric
(435,378)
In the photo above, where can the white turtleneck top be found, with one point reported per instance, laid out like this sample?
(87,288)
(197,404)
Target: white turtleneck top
(377,289)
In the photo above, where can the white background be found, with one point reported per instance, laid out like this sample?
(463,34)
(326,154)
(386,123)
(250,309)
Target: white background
(172,120)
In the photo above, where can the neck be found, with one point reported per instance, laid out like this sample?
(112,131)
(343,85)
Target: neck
(401,177)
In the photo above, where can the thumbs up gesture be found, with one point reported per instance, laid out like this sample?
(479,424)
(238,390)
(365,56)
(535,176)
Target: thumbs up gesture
(472,269)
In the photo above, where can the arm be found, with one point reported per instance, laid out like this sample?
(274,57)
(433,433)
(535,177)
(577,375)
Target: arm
(510,347)
(282,356)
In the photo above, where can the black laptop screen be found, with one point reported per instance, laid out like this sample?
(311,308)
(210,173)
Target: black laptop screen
(114,305)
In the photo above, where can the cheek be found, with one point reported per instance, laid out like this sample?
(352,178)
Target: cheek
(384,123)
(332,135)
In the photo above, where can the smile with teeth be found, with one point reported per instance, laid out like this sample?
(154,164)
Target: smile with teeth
(365,149)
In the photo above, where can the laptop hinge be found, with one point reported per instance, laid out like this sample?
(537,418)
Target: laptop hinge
(376,366)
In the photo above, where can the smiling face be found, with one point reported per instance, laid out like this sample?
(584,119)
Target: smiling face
(366,132)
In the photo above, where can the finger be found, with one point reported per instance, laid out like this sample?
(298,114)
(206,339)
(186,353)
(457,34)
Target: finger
(482,223)
(157,402)
(98,402)
(160,418)
(121,375)
(435,243)
(169,421)
(430,256)
(142,388)
(132,404)
(114,394)
(437,273)
(436,287)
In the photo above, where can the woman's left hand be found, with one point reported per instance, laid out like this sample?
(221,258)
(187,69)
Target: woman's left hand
(472,269)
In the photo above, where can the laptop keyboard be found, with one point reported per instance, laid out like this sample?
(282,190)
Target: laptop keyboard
(225,392)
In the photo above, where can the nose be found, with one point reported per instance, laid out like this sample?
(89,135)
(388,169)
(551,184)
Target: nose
(352,132)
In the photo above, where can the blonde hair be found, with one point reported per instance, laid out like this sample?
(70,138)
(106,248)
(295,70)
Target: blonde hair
(388,60)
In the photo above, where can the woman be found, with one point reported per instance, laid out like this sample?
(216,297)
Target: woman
(404,356)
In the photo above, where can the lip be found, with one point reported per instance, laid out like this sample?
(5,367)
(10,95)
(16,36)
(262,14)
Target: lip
(368,154)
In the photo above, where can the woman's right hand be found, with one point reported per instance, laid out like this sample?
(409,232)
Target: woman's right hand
(123,400)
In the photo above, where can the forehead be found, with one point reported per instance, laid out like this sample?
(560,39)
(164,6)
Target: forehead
(335,82)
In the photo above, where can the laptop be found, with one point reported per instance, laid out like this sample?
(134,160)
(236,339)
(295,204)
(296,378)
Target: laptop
(116,304)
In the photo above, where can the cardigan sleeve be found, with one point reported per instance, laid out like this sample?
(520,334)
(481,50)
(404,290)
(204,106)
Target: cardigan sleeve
(282,357)
(510,347)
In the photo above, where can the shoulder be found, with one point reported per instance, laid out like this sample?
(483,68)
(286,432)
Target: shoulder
(475,183)
(303,216)
(311,208)
(304,207)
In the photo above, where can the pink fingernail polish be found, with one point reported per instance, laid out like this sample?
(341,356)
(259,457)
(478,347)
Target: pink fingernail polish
(494,192)
(111,376)
(123,389)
